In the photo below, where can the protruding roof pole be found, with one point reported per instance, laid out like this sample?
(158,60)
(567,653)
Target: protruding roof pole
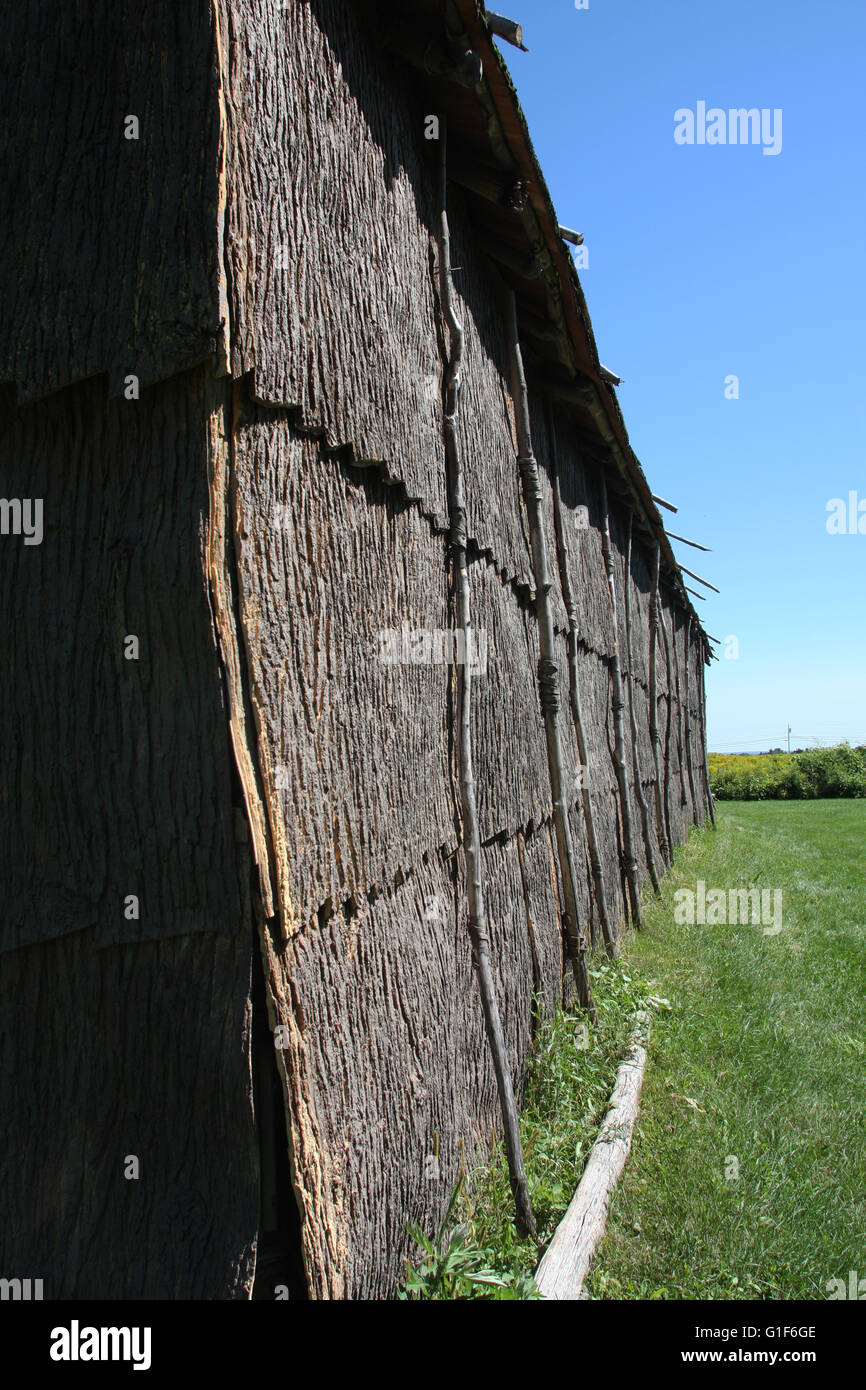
(568,234)
(705,582)
(507,29)
(674,537)
(660,502)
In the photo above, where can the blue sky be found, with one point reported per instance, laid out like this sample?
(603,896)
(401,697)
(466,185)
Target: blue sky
(713,260)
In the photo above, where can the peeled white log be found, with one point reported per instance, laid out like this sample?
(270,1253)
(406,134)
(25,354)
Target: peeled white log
(565,1265)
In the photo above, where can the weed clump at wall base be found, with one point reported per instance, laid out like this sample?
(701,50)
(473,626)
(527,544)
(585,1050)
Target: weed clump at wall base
(477,1253)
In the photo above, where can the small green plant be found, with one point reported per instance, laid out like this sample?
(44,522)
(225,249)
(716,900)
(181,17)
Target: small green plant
(454,1268)
(567,1085)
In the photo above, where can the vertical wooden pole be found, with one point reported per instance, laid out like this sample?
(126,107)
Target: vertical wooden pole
(548,676)
(618,704)
(655,737)
(680,739)
(688,719)
(638,782)
(710,806)
(577,711)
(666,761)
(457,541)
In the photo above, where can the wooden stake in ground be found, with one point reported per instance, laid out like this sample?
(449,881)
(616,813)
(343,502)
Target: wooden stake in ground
(655,737)
(563,1270)
(457,540)
(548,676)
(577,715)
(638,782)
(618,704)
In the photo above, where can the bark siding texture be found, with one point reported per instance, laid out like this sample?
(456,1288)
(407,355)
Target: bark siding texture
(127,935)
(276,539)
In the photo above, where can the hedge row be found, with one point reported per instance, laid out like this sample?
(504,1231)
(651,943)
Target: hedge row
(838,771)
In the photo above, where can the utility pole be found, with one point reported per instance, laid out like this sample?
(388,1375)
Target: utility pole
(789,738)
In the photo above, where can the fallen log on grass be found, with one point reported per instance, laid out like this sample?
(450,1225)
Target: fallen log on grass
(566,1262)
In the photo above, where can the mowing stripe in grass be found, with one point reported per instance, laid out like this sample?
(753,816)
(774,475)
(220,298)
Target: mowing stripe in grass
(746,1178)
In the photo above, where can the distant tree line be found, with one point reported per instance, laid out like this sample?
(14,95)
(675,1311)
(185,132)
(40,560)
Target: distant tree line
(777,776)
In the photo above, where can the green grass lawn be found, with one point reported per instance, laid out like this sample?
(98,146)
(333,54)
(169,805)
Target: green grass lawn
(747,1177)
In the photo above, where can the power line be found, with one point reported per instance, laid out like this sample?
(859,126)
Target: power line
(772,738)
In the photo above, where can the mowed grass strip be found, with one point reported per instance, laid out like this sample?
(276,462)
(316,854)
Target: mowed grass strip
(747,1177)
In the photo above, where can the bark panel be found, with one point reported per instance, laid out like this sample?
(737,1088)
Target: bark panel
(122,1034)
(117,773)
(111,260)
(353,737)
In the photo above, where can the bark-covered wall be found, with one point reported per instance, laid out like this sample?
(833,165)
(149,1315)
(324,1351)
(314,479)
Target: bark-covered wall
(270,535)
(111,152)
(127,938)
(334,292)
